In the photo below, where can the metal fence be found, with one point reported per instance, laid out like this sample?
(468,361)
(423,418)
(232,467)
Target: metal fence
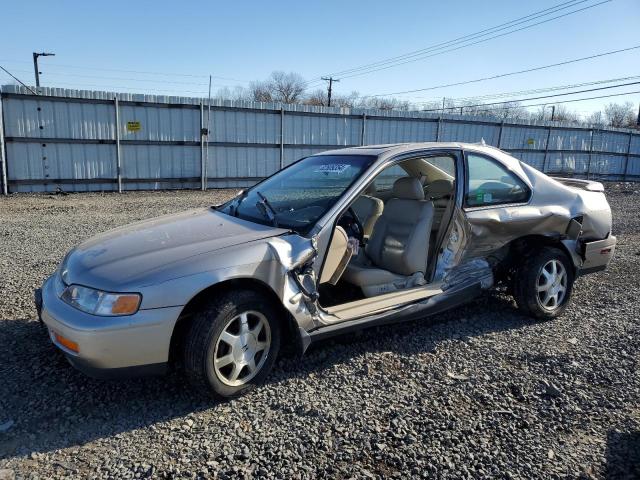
(95,141)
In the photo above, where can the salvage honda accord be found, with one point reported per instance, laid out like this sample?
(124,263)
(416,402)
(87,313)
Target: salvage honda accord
(337,241)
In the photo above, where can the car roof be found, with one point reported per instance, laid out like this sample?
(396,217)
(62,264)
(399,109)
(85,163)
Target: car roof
(395,148)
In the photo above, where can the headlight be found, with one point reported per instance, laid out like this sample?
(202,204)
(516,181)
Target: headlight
(101,303)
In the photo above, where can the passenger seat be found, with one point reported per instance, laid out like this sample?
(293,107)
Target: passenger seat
(439,192)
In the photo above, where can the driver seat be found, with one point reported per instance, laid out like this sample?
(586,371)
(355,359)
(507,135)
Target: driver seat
(368,209)
(397,251)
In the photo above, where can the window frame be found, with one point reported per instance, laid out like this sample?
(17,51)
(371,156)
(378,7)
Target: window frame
(497,162)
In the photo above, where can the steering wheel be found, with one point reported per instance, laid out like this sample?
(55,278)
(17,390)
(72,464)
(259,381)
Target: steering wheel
(356,225)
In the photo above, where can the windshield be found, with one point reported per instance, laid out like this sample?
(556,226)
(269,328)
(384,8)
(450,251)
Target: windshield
(299,195)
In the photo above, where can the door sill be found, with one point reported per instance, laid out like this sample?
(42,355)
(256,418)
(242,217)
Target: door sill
(380,303)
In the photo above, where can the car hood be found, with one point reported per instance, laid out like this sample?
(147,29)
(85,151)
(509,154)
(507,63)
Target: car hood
(117,258)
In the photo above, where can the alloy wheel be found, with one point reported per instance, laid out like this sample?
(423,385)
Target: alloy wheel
(552,285)
(242,348)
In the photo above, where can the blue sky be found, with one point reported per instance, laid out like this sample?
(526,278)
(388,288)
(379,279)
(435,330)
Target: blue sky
(248,40)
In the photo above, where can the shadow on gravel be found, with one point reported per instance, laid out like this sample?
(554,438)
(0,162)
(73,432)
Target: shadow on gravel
(623,455)
(73,409)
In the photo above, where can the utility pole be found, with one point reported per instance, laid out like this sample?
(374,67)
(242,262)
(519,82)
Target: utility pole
(35,64)
(330,87)
(553,112)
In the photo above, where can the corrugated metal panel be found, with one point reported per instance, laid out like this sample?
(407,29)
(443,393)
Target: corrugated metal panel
(21,117)
(59,119)
(607,165)
(516,137)
(26,161)
(569,163)
(633,169)
(291,154)
(160,161)
(244,127)
(160,124)
(394,131)
(534,159)
(570,140)
(312,130)
(77,120)
(635,144)
(464,132)
(243,162)
(63,161)
(610,141)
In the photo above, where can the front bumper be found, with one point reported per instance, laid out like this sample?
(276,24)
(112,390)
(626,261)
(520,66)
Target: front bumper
(108,346)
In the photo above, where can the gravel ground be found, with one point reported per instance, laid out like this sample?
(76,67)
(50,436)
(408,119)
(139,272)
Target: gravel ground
(480,391)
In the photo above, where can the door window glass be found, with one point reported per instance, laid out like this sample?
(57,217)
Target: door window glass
(489,183)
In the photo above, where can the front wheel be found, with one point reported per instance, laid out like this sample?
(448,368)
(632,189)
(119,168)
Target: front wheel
(543,284)
(233,343)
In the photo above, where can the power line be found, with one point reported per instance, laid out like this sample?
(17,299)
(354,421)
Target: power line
(141,72)
(473,43)
(533,98)
(502,75)
(120,78)
(569,101)
(422,56)
(463,38)
(73,86)
(528,92)
(18,80)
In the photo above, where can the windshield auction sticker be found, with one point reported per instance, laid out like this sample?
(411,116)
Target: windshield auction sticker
(338,168)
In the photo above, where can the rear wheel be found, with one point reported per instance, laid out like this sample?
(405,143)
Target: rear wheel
(233,343)
(543,283)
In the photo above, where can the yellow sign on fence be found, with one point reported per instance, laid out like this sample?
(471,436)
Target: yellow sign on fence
(133,126)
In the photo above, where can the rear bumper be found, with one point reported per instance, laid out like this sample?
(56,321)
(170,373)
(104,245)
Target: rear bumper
(108,347)
(597,255)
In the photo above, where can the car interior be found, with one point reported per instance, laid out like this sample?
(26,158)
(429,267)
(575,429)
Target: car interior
(384,243)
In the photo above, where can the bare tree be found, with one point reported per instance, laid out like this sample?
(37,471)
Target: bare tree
(260,92)
(317,98)
(619,114)
(383,103)
(235,93)
(279,87)
(563,114)
(597,119)
(286,87)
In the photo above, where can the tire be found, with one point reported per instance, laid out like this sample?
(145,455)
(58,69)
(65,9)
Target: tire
(531,284)
(234,328)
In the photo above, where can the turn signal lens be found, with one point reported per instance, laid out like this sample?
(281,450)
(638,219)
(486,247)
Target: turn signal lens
(66,343)
(125,304)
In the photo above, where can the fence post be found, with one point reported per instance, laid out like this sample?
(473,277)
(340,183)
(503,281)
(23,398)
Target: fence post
(590,155)
(500,134)
(438,130)
(3,156)
(546,152)
(203,167)
(626,163)
(281,138)
(118,158)
(363,131)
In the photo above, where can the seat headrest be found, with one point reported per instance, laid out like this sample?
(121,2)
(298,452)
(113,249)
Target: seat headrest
(408,188)
(371,189)
(439,188)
